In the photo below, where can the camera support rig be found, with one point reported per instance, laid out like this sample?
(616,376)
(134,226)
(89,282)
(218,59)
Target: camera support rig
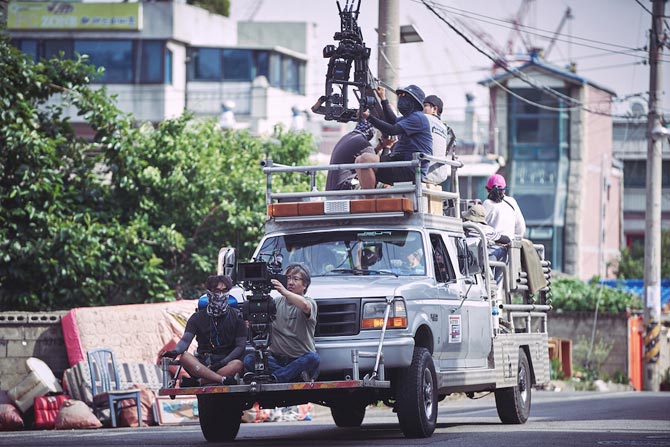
(350,51)
(259,309)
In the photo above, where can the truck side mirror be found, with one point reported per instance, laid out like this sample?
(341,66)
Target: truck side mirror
(226,262)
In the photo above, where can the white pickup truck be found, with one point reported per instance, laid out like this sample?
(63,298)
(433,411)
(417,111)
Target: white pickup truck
(408,312)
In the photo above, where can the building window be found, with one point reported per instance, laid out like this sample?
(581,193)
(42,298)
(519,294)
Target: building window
(635,174)
(116,56)
(27,46)
(207,62)
(262,64)
(53,48)
(290,74)
(167,69)
(237,65)
(150,61)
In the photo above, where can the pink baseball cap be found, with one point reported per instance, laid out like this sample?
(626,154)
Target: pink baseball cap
(496,181)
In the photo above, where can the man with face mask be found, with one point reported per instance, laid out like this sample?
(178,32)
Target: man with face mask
(414,135)
(221,334)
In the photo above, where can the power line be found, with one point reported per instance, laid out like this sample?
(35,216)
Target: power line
(643,7)
(469,15)
(516,73)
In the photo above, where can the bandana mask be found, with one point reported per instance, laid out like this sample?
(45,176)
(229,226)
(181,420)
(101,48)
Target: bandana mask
(405,105)
(218,304)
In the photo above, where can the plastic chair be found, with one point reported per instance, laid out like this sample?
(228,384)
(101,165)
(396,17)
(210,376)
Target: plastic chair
(106,385)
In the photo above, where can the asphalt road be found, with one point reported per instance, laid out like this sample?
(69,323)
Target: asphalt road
(574,419)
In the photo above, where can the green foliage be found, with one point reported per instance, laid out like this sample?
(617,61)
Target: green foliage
(630,264)
(556,371)
(136,216)
(221,7)
(572,294)
(588,358)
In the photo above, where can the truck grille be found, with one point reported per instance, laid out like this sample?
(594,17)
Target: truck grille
(338,317)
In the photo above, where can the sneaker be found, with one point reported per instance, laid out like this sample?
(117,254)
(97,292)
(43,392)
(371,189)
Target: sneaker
(248,377)
(186,382)
(229,380)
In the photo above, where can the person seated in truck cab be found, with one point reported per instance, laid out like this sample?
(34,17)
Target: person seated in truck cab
(495,241)
(292,353)
(221,335)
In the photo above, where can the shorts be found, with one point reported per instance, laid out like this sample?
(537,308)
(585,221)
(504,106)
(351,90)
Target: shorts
(394,174)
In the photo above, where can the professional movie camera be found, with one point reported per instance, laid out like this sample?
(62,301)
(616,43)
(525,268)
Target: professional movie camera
(259,309)
(350,51)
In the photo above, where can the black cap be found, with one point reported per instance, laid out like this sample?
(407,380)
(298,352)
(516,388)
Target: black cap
(435,101)
(415,92)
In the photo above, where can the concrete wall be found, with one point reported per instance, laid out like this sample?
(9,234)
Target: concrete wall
(610,328)
(30,334)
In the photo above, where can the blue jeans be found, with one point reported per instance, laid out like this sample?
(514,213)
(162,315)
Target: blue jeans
(286,369)
(498,253)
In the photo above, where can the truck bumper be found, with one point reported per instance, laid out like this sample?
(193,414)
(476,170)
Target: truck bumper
(337,356)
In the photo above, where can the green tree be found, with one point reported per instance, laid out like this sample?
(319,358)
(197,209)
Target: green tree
(137,215)
(630,264)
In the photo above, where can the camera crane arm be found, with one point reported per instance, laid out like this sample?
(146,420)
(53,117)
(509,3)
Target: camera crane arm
(351,51)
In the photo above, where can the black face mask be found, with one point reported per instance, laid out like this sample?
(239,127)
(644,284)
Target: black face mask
(496,195)
(406,105)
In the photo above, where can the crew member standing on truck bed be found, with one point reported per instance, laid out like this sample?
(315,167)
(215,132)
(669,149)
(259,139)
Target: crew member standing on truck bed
(503,212)
(292,352)
(221,335)
(413,130)
(443,140)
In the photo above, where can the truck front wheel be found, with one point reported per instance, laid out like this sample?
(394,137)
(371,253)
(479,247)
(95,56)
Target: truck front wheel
(416,396)
(219,417)
(513,404)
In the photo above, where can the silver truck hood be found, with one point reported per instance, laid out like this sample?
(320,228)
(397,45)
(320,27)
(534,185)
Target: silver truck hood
(342,286)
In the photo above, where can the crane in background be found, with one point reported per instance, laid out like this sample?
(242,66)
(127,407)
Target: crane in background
(567,15)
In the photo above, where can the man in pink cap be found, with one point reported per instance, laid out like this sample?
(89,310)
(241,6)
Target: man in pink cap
(503,212)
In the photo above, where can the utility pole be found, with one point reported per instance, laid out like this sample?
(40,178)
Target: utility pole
(388,38)
(652,240)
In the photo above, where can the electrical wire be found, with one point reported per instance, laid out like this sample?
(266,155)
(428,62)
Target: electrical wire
(516,73)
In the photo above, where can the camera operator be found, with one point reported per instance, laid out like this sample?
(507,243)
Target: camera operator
(221,334)
(414,135)
(292,353)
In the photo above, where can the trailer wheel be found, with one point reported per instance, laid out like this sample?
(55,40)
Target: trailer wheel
(416,396)
(219,417)
(513,403)
(348,415)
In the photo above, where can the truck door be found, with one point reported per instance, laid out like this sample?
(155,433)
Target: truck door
(469,320)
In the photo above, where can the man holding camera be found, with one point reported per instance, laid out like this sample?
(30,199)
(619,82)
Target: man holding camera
(221,334)
(292,352)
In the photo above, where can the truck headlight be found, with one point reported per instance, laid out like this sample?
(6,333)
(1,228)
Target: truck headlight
(373,315)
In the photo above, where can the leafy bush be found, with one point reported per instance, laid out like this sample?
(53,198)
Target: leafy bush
(573,294)
(137,215)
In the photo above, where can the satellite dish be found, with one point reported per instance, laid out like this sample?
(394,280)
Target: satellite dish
(637,109)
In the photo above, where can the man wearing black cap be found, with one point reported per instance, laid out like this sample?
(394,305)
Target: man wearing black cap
(443,138)
(413,130)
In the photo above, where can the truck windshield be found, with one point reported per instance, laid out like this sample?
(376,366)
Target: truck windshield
(365,252)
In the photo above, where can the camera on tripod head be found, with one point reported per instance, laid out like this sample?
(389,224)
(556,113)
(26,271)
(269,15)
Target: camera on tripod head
(259,309)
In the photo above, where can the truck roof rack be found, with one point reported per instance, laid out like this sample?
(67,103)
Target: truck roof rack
(399,200)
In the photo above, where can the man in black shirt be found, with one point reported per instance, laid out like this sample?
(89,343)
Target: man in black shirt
(221,334)
(345,151)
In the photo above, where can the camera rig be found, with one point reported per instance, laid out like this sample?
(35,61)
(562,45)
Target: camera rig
(351,51)
(259,309)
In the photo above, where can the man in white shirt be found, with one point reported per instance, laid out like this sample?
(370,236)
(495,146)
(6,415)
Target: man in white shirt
(503,212)
(443,139)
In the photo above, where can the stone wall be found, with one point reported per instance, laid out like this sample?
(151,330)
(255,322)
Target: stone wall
(30,334)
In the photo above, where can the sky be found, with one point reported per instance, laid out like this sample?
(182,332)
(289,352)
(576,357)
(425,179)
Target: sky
(606,39)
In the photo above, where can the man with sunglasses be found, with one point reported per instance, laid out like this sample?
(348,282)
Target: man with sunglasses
(414,135)
(221,334)
(292,350)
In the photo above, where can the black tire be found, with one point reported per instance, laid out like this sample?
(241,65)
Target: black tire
(416,396)
(513,403)
(220,418)
(348,415)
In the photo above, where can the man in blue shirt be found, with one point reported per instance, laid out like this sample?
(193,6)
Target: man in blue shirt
(414,135)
